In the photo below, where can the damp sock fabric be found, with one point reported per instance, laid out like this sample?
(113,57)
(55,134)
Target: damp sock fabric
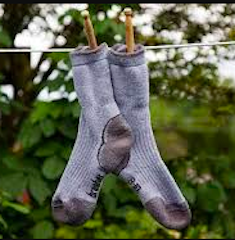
(103,141)
(145,172)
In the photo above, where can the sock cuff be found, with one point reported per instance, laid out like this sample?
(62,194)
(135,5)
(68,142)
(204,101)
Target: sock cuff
(84,54)
(119,56)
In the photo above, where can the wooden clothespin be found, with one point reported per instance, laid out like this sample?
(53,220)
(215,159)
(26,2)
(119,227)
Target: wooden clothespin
(89,30)
(130,42)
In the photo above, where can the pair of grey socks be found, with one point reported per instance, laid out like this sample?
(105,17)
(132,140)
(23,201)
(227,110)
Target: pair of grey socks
(115,136)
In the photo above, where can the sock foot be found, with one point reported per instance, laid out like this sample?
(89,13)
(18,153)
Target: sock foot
(173,216)
(73,212)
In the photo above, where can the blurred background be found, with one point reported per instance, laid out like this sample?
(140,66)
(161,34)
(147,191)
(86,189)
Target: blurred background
(192,110)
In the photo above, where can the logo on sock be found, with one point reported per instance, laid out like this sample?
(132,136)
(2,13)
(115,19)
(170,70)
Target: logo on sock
(95,185)
(133,184)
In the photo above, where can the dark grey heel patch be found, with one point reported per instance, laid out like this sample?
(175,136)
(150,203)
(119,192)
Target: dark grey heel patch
(74,212)
(117,139)
(173,216)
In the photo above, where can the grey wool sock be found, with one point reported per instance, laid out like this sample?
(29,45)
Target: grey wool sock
(146,172)
(103,141)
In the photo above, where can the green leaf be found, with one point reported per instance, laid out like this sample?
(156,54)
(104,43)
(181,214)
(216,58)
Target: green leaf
(38,188)
(210,195)
(228,179)
(48,127)
(13,163)
(110,203)
(76,109)
(55,110)
(16,206)
(53,167)
(39,214)
(29,135)
(65,152)
(41,111)
(48,149)
(189,193)
(3,222)
(43,230)
(5,108)
(54,85)
(69,86)
(44,109)
(5,39)
(93,224)
(109,183)
(57,56)
(13,183)
(65,232)
(67,129)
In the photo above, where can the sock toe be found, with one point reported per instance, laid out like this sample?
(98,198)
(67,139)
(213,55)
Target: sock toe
(172,216)
(73,212)
(179,215)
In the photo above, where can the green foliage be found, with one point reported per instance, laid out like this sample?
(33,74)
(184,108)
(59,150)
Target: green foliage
(192,115)
(43,230)
(5,38)
(53,167)
(38,188)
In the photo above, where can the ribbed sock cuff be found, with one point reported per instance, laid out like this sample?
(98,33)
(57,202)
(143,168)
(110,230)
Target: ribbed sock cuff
(119,56)
(84,54)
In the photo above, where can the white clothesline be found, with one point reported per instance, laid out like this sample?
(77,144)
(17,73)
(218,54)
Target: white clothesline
(168,46)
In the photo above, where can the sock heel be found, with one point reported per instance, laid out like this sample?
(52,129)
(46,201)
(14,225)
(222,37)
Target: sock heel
(117,141)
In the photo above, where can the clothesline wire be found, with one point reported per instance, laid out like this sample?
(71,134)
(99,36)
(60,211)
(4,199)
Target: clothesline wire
(167,46)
